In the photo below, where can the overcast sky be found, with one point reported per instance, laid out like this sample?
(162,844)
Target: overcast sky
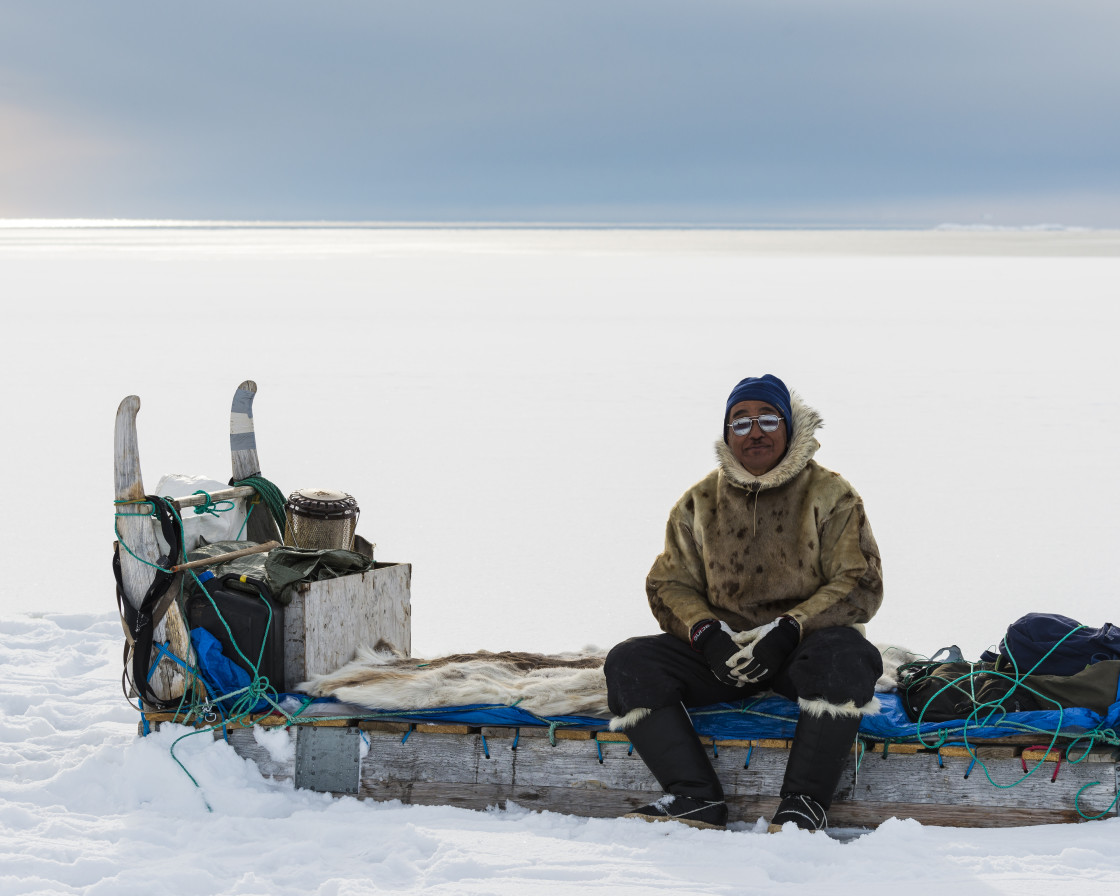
(754,112)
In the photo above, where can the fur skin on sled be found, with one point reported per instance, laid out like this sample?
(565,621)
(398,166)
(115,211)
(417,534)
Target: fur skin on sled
(543,684)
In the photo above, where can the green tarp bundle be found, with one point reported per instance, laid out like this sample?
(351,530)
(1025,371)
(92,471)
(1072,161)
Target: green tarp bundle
(281,569)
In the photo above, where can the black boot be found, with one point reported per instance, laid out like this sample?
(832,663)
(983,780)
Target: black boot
(804,811)
(821,744)
(670,748)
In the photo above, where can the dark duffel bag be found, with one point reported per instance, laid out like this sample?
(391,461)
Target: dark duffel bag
(942,692)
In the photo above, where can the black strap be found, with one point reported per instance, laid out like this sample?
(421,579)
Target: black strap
(141,622)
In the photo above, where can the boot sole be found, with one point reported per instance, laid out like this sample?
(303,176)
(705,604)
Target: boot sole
(777,829)
(703,825)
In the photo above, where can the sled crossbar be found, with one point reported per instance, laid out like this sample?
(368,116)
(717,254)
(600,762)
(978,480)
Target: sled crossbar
(226,494)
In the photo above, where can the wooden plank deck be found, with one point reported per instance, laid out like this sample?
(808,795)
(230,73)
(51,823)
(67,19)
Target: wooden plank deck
(595,774)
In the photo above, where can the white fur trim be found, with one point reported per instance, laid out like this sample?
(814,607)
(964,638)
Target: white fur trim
(893,657)
(801,449)
(824,708)
(621,723)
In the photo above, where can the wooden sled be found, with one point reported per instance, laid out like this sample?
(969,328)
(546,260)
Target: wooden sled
(590,772)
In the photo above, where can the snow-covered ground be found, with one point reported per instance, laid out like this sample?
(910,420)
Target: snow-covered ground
(515,412)
(87,807)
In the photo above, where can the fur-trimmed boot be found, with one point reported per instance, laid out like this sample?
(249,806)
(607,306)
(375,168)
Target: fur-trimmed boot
(671,750)
(821,744)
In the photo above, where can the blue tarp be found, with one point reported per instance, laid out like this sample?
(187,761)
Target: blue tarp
(220,674)
(776,717)
(765,717)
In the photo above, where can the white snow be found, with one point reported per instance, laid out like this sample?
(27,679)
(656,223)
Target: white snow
(87,807)
(515,412)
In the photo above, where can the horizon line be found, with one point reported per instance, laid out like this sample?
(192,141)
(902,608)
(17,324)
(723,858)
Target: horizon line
(344,224)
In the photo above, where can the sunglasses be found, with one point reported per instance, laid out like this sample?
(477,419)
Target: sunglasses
(766,422)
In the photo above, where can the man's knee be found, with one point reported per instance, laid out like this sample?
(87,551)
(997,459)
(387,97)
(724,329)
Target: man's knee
(623,669)
(639,676)
(621,656)
(838,666)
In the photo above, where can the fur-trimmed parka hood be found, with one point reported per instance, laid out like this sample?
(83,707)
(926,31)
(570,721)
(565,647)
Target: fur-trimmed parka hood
(806,421)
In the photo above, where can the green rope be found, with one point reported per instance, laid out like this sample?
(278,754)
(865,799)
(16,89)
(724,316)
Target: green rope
(120,538)
(186,771)
(990,710)
(996,709)
(211,506)
(124,544)
(245,522)
(272,497)
(1077,802)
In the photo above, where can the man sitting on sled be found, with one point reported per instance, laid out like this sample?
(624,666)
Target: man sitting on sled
(769,567)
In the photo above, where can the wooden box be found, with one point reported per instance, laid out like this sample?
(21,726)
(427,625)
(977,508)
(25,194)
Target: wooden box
(327,621)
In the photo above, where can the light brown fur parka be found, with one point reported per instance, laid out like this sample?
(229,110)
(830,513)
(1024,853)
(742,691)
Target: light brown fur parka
(746,549)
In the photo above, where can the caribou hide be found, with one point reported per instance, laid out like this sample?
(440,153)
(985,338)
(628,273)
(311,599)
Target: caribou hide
(546,685)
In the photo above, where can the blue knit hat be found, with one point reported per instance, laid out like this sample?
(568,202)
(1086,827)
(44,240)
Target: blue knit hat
(766,388)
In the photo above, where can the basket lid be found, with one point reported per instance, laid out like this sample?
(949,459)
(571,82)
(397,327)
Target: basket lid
(322,503)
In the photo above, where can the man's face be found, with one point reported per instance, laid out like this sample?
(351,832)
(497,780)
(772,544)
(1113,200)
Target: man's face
(758,451)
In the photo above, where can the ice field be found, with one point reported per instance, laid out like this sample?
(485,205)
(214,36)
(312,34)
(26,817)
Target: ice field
(515,412)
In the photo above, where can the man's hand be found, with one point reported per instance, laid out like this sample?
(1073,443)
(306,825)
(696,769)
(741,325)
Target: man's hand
(713,639)
(766,651)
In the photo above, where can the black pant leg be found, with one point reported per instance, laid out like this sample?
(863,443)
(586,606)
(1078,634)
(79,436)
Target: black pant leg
(835,665)
(655,671)
(832,676)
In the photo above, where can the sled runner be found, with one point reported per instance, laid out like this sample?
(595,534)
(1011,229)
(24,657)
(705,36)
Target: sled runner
(480,748)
